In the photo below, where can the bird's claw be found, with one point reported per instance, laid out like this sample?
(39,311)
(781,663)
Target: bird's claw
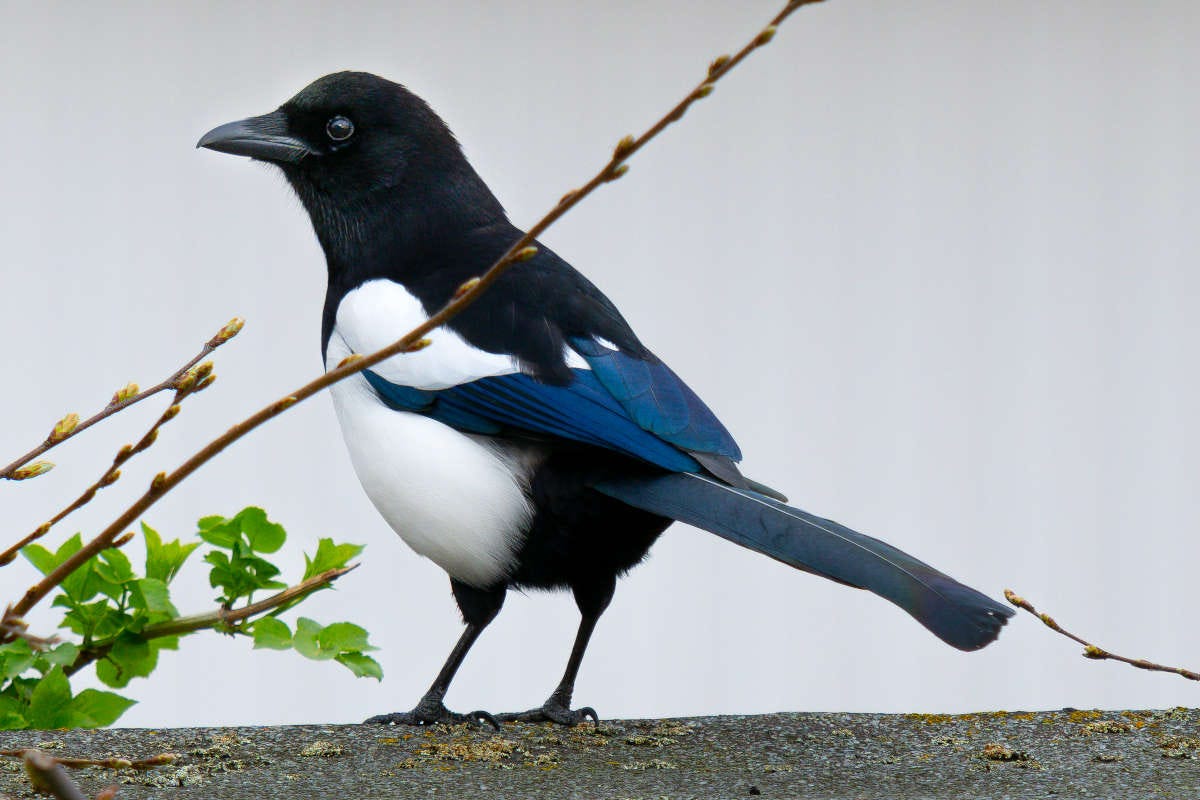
(428,714)
(553,712)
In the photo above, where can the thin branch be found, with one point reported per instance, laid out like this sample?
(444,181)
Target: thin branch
(468,293)
(69,426)
(195,379)
(218,618)
(1090,650)
(48,776)
(104,763)
(12,627)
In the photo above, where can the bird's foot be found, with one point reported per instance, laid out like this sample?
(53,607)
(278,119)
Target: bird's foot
(432,712)
(553,711)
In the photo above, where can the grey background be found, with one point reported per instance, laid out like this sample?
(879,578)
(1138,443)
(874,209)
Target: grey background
(930,261)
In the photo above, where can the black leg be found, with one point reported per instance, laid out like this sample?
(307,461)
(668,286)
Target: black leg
(479,607)
(592,600)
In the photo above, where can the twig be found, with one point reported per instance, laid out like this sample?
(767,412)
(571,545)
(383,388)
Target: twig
(13,627)
(195,379)
(1090,650)
(48,776)
(104,763)
(468,293)
(213,619)
(70,426)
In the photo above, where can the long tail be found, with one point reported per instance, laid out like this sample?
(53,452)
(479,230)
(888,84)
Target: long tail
(956,614)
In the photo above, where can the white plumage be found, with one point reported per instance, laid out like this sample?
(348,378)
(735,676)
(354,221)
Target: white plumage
(455,498)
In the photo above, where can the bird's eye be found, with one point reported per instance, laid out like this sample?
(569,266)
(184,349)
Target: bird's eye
(339,128)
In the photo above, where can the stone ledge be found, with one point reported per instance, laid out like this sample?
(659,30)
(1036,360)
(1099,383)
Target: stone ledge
(1064,754)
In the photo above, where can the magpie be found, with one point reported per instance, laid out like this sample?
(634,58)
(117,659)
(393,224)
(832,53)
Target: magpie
(537,442)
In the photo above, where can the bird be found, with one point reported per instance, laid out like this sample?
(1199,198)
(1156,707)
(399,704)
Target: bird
(536,443)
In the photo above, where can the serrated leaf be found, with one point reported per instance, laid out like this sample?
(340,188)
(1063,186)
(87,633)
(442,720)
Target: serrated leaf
(271,634)
(93,708)
(219,532)
(343,637)
(48,705)
(307,643)
(152,595)
(163,561)
(15,657)
(41,558)
(204,523)
(128,658)
(329,556)
(263,535)
(63,655)
(118,564)
(363,666)
(12,714)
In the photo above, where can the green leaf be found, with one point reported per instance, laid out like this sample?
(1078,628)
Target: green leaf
(272,634)
(263,535)
(307,643)
(63,655)
(163,561)
(129,658)
(118,565)
(93,708)
(363,666)
(49,703)
(210,522)
(40,557)
(342,637)
(12,714)
(153,595)
(219,532)
(329,556)
(15,658)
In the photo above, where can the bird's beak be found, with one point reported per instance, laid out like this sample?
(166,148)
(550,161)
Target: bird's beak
(265,138)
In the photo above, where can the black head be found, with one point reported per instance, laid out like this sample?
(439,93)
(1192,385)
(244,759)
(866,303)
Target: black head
(345,134)
(359,149)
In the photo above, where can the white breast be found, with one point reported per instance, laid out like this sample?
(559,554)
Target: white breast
(454,498)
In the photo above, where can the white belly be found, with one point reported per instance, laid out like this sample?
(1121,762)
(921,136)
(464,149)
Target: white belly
(452,498)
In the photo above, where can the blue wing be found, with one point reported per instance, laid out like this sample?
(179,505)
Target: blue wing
(623,403)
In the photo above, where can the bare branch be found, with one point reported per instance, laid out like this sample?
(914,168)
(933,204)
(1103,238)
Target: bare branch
(13,627)
(48,776)
(123,398)
(193,380)
(519,251)
(104,763)
(1090,650)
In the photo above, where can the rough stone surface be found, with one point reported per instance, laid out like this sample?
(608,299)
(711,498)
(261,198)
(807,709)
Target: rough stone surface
(1064,754)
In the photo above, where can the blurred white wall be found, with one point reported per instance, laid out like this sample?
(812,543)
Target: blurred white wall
(932,262)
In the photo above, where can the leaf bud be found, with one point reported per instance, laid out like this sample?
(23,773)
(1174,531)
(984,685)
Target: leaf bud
(231,329)
(768,33)
(525,253)
(124,393)
(465,287)
(32,470)
(419,344)
(623,148)
(718,64)
(63,428)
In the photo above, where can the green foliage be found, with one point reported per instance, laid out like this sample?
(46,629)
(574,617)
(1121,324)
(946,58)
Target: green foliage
(123,620)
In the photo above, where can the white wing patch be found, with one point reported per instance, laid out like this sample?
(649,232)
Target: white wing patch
(380,311)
